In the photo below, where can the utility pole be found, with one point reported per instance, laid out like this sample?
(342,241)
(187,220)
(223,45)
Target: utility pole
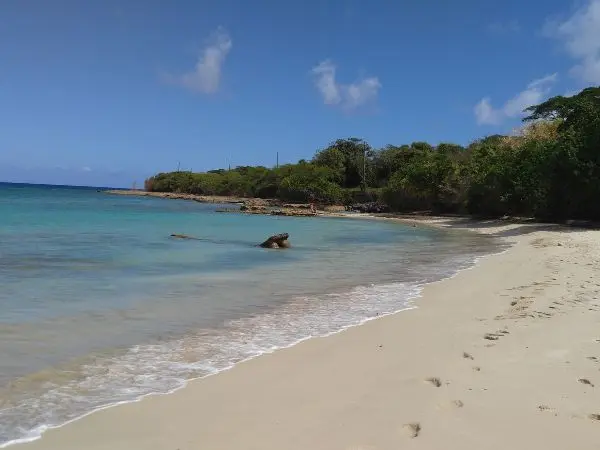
(277,165)
(364,169)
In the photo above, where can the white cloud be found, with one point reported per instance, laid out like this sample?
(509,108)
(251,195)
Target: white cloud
(326,84)
(536,91)
(206,76)
(534,94)
(86,169)
(486,114)
(347,96)
(580,36)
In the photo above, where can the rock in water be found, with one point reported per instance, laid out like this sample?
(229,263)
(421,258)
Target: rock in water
(277,241)
(183,236)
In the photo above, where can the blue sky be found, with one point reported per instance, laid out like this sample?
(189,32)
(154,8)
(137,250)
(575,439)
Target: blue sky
(109,92)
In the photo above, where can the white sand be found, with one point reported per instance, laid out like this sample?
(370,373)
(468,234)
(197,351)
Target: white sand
(538,304)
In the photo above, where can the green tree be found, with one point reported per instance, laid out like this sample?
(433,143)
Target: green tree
(308,182)
(576,159)
(349,159)
(549,169)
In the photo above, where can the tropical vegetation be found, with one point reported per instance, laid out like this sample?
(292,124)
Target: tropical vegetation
(549,169)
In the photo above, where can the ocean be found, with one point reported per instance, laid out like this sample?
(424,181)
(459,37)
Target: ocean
(100,306)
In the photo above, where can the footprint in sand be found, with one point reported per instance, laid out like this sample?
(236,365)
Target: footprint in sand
(586,381)
(434,381)
(546,408)
(454,404)
(412,430)
(467,356)
(495,336)
(595,417)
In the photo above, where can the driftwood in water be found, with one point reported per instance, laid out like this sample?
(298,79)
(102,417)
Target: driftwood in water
(277,241)
(184,236)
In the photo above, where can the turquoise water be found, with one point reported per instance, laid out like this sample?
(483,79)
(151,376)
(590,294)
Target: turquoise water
(98,304)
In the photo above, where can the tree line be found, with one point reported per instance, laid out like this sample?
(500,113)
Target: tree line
(550,169)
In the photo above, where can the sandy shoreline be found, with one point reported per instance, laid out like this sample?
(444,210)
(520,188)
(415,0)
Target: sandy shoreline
(513,343)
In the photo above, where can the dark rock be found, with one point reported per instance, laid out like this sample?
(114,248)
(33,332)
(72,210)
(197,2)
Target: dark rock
(295,212)
(253,208)
(277,241)
(369,208)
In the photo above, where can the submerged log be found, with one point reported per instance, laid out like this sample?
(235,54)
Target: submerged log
(277,241)
(184,236)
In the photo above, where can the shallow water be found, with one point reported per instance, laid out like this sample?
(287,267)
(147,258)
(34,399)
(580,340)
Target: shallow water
(99,305)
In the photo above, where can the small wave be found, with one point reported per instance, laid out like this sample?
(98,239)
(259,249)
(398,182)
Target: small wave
(161,368)
(167,366)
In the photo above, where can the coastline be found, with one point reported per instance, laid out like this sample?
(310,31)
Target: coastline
(176,196)
(360,387)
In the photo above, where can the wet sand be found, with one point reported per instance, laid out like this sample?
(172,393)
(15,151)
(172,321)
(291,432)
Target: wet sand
(503,355)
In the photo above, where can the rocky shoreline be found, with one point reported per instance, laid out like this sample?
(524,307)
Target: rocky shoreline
(178,196)
(260,206)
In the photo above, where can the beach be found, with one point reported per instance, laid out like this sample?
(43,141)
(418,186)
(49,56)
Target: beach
(503,355)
